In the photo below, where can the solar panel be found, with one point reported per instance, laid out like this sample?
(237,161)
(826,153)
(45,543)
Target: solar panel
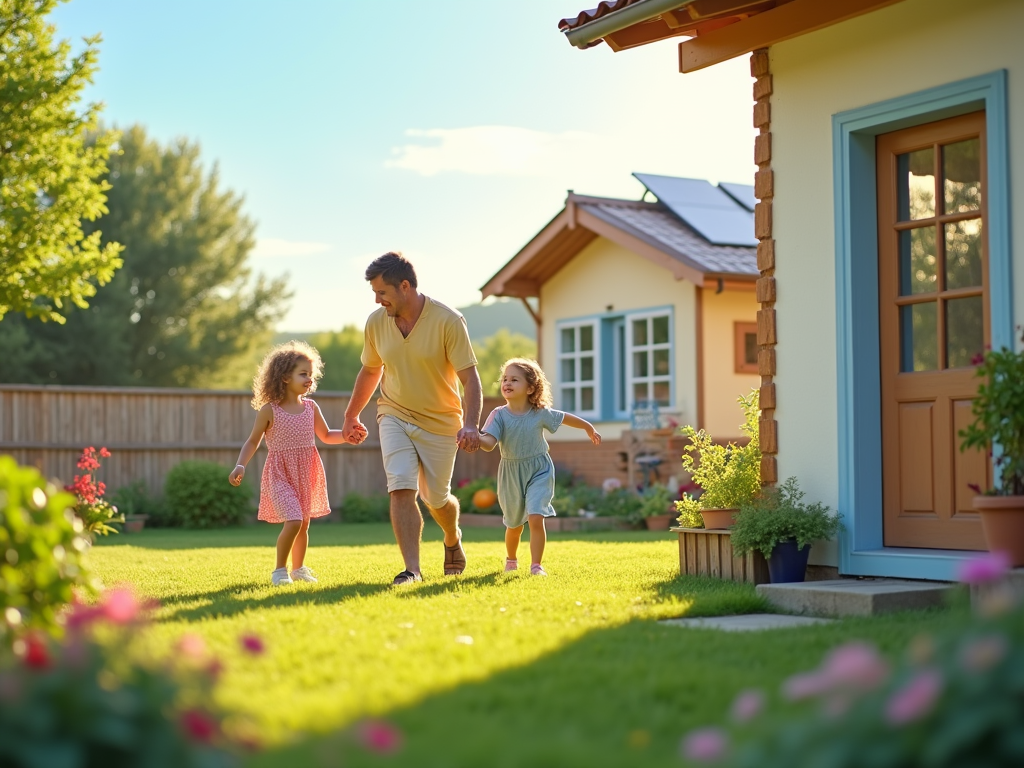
(741,193)
(716,216)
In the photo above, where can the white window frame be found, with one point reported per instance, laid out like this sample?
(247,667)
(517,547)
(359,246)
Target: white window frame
(576,356)
(651,378)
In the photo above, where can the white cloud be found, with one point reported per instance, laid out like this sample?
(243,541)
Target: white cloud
(493,150)
(273,246)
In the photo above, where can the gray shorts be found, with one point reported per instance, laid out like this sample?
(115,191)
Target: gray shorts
(525,487)
(417,460)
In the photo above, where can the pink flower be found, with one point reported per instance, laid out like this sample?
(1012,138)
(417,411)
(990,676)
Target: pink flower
(253,644)
(983,653)
(119,606)
(198,725)
(981,570)
(705,745)
(37,655)
(805,685)
(380,736)
(855,665)
(747,705)
(915,699)
(192,646)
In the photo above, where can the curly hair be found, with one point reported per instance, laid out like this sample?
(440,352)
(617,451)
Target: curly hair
(535,378)
(268,384)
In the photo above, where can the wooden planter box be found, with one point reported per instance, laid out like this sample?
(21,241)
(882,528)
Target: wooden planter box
(709,553)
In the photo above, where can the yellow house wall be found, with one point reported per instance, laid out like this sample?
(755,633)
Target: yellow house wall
(605,274)
(722,385)
(907,47)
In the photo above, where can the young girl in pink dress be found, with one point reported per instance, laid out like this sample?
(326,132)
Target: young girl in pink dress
(294,488)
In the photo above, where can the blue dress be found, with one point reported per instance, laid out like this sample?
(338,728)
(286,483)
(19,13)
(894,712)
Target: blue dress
(526,474)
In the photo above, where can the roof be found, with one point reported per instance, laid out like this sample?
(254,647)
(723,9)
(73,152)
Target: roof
(649,229)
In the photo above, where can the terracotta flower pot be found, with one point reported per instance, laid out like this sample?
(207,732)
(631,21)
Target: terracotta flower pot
(659,522)
(718,518)
(135,523)
(1002,520)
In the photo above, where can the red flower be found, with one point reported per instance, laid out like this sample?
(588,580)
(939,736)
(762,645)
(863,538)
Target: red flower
(379,736)
(37,655)
(253,644)
(978,359)
(198,725)
(104,453)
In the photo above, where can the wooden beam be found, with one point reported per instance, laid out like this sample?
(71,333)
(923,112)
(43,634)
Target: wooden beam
(540,241)
(519,287)
(699,333)
(533,314)
(765,29)
(706,9)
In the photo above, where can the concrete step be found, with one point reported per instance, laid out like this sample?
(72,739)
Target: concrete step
(854,597)
(749,622)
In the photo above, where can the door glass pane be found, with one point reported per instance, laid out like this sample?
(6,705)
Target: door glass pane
(568,399)
(919,349)
(569,370)
(961,176)
(963,254)
(660,330)
(965,331)
(586,369)
(915,184)
(661,392)
(639,333)
(640,395)
(661,362)
(917,261)
(568,339)
(586,398)
(639,364)
(750,348)
(586,338)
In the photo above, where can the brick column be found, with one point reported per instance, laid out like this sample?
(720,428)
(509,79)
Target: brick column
(764,190)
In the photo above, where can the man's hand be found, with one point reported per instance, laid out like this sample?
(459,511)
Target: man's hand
(353,430)
(469,439)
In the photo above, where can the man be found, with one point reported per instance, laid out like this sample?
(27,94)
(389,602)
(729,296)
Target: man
(418,350)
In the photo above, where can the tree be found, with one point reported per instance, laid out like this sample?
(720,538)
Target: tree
(492,352)
(50,177)
(340,352)
(185,309)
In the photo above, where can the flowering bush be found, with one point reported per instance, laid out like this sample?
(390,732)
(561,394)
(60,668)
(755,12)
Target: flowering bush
(91,508)
(950,701)
(41,552)
(86,702)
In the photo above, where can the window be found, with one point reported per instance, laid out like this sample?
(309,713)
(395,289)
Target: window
(577,368)
(649,359)
(745,347)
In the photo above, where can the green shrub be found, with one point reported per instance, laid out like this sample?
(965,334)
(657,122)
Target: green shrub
(779,514)
(135,499)
(41,551)
(357,508)
(570,499)
(199,495)
(620,502)
(655,500)
(464,494)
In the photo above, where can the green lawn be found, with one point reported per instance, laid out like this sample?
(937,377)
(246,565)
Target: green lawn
(564,671)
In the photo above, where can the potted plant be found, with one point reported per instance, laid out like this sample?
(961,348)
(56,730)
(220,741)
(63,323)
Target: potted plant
(730,475)
(998,411)
(780,525)
(656,507)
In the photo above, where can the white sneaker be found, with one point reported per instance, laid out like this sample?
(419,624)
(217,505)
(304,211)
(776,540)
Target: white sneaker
(303,574)
(280,577)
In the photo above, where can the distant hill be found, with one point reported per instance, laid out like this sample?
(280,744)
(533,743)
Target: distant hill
(483,320)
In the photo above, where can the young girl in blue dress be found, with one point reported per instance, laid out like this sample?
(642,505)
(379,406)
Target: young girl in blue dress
(526,474)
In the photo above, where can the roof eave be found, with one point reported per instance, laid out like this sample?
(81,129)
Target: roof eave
(586,35)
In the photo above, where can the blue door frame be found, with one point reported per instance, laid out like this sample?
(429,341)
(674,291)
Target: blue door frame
(861,548)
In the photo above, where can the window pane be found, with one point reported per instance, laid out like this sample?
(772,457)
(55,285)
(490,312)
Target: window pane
(661,362)
(586,398)
(661,389)
(660,329)
(961,176)
(963,254)
(568,399)
(917,261)
(586,369)
(965,331)
(640,333)
(586,338)
(639,365)
(919,348)
(640,396)
(568,340)
(750,348)
(569,370)
(915,184)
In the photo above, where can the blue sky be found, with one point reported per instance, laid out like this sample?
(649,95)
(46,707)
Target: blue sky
(448,130)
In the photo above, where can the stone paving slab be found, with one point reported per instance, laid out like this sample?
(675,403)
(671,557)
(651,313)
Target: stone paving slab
(750,622)
(854,597)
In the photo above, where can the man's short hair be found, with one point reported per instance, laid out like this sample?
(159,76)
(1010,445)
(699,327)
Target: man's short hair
(393,268)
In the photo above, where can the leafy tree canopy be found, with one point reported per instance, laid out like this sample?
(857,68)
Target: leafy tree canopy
(50,176)
(492,352)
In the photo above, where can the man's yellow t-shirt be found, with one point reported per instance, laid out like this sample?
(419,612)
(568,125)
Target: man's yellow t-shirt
(420,383)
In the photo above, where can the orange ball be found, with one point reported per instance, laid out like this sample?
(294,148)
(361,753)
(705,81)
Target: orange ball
(485,498)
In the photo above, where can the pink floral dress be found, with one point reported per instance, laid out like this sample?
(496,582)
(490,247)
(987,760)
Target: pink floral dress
(294,486)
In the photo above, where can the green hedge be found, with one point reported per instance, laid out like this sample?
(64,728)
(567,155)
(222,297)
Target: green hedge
(357,508)
(198,495)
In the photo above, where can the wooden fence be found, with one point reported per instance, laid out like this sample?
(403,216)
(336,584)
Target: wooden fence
(149,430)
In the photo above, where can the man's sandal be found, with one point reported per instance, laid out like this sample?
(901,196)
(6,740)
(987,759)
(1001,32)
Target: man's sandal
(454,558)
(407,577)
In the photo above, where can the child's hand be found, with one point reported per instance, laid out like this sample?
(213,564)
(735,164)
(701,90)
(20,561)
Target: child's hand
(595,436)
(235,478)
(357,435)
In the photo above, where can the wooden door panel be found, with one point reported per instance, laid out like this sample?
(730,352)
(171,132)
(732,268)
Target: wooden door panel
(917,459)
(969,467)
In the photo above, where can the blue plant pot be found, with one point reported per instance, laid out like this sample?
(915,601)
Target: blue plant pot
(788,563)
